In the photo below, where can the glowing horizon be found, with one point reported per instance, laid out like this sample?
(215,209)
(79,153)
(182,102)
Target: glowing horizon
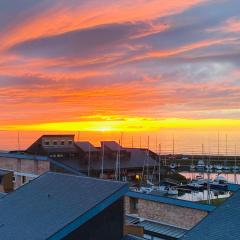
(120,66)
(126,124)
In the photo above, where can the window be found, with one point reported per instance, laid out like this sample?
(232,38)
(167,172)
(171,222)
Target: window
(133,205)
(14,179)
(55,143)
(47,143)
(70,142)
(62,142)
(24,179)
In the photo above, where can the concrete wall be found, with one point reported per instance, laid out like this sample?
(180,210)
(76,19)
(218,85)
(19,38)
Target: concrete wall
(170,214)
(24,169)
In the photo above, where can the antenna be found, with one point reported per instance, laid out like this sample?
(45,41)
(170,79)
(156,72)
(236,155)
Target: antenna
(18,141)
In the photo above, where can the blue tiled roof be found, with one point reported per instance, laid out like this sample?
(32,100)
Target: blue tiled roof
(172,201)
(221,224)
(53,205)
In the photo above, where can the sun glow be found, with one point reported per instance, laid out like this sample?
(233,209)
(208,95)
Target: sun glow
(128,124)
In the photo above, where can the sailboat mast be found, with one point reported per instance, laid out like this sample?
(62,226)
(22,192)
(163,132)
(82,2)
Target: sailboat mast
(208,180)
(119,159)
(173,146)
(159,164)
(218,146)
(226,147)
(116,167)
(18,141)
(235,165)
(148,158)
(89,159)
(102,158)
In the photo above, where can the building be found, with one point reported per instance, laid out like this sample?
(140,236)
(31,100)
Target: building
(84,157)
(26,167)
(6,181)
(60,206)
(221,224)
(55,147)
(163,217)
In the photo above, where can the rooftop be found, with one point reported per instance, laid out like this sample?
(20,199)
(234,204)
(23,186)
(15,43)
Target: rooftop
(4,172)
(86,146)
(58,135)
(54,204)
(23,156)
(114,146)
(221,224)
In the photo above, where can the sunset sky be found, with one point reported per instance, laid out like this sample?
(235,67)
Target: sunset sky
(138,67)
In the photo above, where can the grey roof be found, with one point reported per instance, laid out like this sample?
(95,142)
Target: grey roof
(86,146)
(129,219)
(112,145)
(4,172)
(221,224)
(136,159)
(52,202)
(23,156)
(57,135)
(162,229)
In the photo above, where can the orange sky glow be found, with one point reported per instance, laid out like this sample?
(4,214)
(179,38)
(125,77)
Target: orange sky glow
(104,68)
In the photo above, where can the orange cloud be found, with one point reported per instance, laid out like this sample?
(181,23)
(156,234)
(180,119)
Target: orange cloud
(65,18)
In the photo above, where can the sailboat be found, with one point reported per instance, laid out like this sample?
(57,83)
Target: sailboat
(192,166)
(201,164)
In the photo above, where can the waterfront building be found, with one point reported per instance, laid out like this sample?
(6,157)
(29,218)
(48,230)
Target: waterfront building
(163,217)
